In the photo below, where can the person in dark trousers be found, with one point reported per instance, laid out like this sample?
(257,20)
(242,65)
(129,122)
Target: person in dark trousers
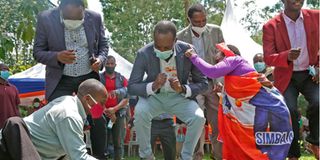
(115,106)
(71,42)
(166,88)
(291,45)
(162,127)
(203,36)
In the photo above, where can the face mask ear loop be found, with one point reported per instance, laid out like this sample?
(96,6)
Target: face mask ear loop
(94,101)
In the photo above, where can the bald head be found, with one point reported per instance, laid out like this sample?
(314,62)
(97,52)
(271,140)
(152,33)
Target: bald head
(92,87)
(258,58)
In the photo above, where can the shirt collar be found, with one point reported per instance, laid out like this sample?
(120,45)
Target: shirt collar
(194,36)
(289,20)
(81,109)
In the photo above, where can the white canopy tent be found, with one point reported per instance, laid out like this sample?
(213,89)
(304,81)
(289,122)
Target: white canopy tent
(31,82)
(235,34)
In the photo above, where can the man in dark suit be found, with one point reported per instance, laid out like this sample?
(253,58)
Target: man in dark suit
(166,88)
(70,41)
(291,44)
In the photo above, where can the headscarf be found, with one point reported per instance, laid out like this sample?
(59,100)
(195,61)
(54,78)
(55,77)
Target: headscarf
(224,49)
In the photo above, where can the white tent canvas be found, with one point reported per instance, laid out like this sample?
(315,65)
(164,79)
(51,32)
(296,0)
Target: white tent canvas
(235,34)
(37,73)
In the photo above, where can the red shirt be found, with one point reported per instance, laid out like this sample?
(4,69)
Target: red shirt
(9,101)
(110,86)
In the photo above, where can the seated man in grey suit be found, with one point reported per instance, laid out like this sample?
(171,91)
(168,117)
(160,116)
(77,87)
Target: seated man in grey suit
(166,88)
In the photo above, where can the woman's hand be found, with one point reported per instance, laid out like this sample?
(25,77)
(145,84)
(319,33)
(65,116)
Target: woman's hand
(189,52)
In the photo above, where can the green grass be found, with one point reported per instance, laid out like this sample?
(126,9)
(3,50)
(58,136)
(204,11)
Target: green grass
(304,156)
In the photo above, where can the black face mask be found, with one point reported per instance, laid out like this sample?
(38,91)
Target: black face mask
(110,70)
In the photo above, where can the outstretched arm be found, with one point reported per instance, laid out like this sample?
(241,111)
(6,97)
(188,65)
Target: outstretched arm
(212,71)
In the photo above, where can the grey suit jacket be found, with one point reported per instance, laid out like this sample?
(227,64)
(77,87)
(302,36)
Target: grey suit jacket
(49,40)
(147,62)
(211,36)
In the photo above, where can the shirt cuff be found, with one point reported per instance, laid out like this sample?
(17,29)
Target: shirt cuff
(149,89)
(188,91)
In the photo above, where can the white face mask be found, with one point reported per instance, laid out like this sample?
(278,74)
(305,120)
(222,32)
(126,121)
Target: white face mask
(198,30)
(72,24)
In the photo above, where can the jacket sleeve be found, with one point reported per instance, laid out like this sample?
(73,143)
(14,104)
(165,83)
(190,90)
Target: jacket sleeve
(271,56)
(103,45)
(123,91)
(220,35)
(136,84)
(69,132)
(41,51)
(199,82)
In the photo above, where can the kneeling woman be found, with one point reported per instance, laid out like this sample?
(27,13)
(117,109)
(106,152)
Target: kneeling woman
(254,121)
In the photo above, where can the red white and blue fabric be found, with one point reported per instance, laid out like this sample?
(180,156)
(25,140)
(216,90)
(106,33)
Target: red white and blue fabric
(254,121)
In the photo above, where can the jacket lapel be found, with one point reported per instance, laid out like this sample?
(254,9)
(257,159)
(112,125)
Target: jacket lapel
(59,28)
(90,30)
(155,63)
(188,36)
(309,30)
(179,61)
(281,24)
(206,39)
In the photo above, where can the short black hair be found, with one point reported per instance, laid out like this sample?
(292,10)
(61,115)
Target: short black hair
(63,3)
(234,49)
(196,8)
(164,27)
(111,57)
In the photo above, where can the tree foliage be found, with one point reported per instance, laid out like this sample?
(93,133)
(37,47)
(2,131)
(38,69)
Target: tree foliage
(256,17)
(17,28)
(215,10)
(131,22)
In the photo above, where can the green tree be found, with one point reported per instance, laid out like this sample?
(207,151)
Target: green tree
(256,17)
(17,28)
(131,22)
(215,10)
(314,4)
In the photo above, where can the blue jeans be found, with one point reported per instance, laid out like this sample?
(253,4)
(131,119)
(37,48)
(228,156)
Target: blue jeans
(186,110)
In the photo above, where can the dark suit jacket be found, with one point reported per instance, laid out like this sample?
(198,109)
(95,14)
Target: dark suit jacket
(276,46)
(147,62)
(49,40)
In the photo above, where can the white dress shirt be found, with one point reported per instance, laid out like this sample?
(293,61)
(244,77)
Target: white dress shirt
(297,37)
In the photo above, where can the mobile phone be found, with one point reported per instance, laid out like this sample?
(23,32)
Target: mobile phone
(92,59)
(296,49)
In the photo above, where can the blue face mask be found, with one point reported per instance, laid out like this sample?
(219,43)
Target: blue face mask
(163,55)
(259,66)
(4,75)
